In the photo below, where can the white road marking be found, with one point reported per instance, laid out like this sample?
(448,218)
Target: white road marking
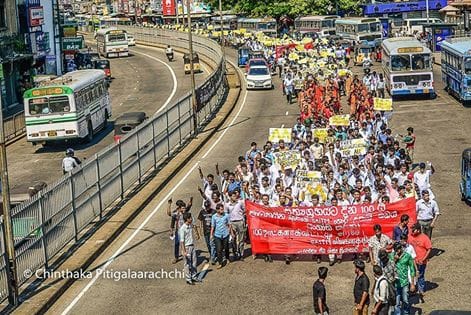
(147,219)
(174,77)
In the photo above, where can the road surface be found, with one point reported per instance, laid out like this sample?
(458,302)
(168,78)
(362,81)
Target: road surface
(253,286)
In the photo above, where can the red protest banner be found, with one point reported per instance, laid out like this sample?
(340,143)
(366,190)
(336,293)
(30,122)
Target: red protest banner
(321,230)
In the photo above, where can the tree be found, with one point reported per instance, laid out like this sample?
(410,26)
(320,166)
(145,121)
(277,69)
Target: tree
(291,8)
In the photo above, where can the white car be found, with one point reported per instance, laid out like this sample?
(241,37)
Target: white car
(259,77)
(131,41)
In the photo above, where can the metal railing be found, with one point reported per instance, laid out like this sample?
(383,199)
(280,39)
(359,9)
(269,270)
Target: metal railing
(56,216)
(14,125)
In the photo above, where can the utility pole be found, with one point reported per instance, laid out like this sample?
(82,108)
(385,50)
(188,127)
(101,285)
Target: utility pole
(192,71)
(176,11)
(222,27)
(427,11)
(7,223)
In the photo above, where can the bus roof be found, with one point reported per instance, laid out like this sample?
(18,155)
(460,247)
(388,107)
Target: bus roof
(256,20)
(460,45)
(105,31)
(74,80)
(406,44)
(317,17)
(423,19)
(355,20)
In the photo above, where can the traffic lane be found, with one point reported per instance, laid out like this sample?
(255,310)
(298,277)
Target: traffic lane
(251,125)
(45,164)
(442,129)
(280,288)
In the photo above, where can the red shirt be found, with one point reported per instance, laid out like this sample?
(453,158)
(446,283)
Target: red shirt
(421,244)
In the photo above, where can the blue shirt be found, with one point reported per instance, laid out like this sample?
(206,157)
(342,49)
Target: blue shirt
(233,186)
(398,232)
(220,224)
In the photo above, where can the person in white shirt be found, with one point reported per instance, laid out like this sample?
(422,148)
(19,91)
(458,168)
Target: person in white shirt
(70,161)
(422,177)
(427,213)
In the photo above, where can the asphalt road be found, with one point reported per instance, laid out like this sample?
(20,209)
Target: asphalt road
(142,82)
(253,286)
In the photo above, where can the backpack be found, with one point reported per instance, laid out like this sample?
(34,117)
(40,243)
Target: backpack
(391,296)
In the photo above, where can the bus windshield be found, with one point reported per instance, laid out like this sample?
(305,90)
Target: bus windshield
(420,61)
(49,105)
(362,28)
(327,23)
(374,27)
(467,65)
(116,37)
(400,62)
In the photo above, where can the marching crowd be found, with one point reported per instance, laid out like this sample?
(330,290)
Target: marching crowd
(382,171)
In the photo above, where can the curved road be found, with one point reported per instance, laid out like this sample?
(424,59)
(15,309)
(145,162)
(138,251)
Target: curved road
(253,286)
(142,82)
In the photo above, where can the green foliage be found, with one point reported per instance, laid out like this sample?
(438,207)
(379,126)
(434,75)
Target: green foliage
(291,8)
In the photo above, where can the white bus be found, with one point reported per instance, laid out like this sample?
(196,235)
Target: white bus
(112,42)
(414,25)
(73,106)
(362,30)
(229,22)
(323,25)
(407,67)
(266,25)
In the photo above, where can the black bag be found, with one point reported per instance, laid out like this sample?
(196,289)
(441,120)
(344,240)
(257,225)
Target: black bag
(77,160)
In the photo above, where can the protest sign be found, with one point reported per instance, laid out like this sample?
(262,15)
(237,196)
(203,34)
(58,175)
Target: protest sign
(304,177)
(321,230)
(382,104)
(340,120)
(320,133)
(287,159)
(277,134)
(353,147)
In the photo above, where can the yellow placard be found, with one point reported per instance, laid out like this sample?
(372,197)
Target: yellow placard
(287,159)
(340,120)
(320,133)
(382,104)
(353,147)
(277,134)
(304,178)
(317,190)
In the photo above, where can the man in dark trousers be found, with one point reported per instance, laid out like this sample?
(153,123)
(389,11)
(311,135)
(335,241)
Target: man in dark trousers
(361,289)
(319,293)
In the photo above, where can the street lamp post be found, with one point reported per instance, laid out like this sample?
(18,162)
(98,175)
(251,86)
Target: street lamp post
(427,11)
(222,26)
(8,226)
(192,71)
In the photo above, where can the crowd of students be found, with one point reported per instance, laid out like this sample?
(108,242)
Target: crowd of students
(381,173)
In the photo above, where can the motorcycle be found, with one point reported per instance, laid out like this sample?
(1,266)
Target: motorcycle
(367,64)
(170,56)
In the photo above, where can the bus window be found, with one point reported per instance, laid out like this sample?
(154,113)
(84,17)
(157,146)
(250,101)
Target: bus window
(53,104)
(362,28)
(420,61)
(116,37)
(467,66)
(327,23)
(374,27)
(59,104)
(400,62)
